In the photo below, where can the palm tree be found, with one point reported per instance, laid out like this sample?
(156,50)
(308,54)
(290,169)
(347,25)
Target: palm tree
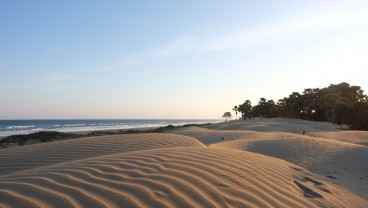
(236,111)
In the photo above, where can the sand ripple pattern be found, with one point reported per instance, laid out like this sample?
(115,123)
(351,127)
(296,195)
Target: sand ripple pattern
(173,177)
(340,162)
(38,155)
(356,137)
(276,125)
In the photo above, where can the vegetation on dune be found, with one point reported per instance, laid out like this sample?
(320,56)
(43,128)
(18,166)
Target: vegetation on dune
(157,130)
(337,103)
(37,137)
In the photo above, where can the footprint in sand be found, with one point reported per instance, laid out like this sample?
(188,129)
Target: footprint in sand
(317,184)
(309,193)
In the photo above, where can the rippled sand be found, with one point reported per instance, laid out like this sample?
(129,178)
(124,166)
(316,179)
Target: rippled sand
(237,164)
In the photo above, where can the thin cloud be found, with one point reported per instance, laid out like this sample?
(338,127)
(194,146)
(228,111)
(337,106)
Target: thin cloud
(179,46)
(266,34)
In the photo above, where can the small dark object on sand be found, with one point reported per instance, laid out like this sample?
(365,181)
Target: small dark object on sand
(303,132)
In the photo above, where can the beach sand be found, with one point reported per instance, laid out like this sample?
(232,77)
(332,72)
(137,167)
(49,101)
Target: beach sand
(256,163)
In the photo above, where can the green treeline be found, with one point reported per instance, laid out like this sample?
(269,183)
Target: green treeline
(340,104)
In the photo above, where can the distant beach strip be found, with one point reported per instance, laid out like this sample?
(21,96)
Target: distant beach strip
(12,127)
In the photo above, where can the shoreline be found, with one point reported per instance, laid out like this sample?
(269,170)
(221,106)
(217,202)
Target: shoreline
(51,136)
(18,127)
(87,131)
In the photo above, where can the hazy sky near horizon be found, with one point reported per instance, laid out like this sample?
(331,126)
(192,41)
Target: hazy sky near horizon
(172,59)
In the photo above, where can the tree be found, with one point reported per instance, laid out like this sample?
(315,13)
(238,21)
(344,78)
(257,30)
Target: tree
(282,108)
(330,100)
(337,103)
(353,93)
(267,108)
(360,116)
(227,115)
(256,111)
(296,104)
(236,111)
(272,109)
(341,114)
(245,108)
(310,103)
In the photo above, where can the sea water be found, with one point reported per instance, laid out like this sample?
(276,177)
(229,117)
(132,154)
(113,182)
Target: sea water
(12,127)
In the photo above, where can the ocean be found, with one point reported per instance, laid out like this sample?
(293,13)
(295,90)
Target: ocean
(12,127)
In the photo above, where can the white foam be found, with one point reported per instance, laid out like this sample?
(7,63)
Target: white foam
(13,132)
(19,127)
(71,125)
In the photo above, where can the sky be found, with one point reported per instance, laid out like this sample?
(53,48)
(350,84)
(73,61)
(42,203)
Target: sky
(169,59)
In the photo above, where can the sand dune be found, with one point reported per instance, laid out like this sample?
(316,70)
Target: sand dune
(221,166)
(276,125)
(342,163)
(173,177)
(38,155)
(209,136)
(356,137)
(337,155)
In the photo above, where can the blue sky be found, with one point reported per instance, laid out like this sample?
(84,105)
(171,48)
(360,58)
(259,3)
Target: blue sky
(171,59)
